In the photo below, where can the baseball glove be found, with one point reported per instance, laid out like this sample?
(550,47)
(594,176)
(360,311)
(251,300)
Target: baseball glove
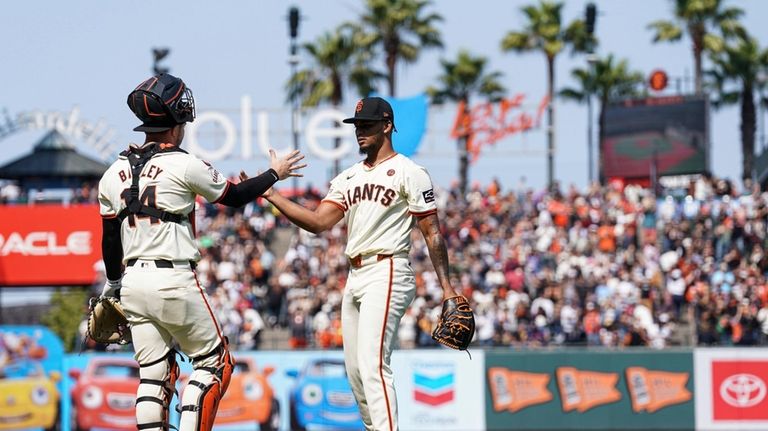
(107,323)
(457,324)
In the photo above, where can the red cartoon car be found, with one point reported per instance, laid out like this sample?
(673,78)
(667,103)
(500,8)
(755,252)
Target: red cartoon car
(104,395)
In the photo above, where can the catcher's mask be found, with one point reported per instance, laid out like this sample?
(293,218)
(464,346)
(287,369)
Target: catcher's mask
(162,102)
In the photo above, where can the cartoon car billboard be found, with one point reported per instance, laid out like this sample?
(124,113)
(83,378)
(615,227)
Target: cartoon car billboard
(104,395)
(249,398)
(322,398)
(29,397)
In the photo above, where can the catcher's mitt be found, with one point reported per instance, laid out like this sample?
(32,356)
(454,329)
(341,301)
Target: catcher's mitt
(107,323)
(457,324)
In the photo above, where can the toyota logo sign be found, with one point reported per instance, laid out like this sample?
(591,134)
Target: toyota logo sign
(743,390)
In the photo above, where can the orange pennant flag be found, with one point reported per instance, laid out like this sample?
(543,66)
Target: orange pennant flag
(583,390)
(516,390)
(653,390)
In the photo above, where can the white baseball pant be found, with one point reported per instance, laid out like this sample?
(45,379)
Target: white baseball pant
(375,298)
(167,305)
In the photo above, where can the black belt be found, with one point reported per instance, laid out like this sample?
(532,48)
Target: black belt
(161,263)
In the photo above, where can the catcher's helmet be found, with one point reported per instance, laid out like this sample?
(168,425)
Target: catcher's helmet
(162,102)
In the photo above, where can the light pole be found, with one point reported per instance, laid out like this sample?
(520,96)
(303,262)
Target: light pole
(591,59)
(590,16)
(760,121)
(293,61)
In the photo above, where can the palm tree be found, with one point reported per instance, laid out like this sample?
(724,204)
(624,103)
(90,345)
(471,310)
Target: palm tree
(545,33)
(336,62)
(606,79)
(461,79)
(707,22)
(736,74)
(402,30)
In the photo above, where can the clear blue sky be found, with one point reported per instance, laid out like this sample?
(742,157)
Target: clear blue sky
(90,54)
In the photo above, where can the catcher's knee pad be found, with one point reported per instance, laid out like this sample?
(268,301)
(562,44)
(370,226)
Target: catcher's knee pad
(157,384)
(205,388)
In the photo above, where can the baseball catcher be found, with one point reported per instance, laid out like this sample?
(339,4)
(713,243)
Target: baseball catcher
(147,199)
(107,323)
(457,324)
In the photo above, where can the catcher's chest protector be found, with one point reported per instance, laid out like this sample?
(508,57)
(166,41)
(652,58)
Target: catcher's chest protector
(138,158)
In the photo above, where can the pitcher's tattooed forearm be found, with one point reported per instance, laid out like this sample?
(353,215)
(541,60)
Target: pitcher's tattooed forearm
(438,253)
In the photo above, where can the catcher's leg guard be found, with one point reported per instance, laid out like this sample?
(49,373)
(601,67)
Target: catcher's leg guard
(157,384)
(205,388)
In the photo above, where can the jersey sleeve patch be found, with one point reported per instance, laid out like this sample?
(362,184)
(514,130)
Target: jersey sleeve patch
(419,190)
(429,195)
(204,180)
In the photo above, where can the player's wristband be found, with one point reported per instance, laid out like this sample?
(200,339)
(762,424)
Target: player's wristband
(240,194)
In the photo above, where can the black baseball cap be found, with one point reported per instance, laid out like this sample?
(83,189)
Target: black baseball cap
(373,109)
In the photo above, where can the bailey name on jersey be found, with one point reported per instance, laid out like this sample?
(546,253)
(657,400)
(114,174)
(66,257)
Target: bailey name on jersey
(152,172)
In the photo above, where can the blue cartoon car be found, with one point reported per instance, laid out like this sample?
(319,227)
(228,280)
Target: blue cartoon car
(322,398)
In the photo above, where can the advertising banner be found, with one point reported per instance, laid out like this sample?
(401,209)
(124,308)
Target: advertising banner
(589,390)
(292,390)
(30,378)
(286,390)
(732,389)
(49,245)
(439,390)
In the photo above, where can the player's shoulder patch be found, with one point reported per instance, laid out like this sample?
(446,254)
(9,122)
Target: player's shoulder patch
(429,195)
(215,174)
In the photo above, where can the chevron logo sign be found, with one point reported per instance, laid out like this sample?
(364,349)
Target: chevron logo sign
(433,386)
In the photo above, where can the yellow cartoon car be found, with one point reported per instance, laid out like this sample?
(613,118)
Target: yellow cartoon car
(29,397)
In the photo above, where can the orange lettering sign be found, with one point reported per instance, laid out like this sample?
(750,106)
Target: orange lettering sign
(583,390)
(487,123)
(653,390)
(516,390)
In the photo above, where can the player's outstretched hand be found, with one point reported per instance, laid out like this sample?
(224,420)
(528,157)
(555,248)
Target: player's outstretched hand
(288,165)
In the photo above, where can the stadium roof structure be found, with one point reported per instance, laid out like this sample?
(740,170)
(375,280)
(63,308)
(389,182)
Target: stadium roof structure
(53,157)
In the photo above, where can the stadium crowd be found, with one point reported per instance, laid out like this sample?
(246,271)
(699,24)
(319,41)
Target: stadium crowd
(607,266)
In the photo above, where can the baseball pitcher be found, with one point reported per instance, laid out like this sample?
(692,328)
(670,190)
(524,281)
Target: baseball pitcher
(380,198)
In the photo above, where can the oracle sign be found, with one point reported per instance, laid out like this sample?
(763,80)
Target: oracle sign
(46,245)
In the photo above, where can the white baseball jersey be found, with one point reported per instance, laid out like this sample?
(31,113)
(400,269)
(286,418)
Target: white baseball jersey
(379,203)
(169,181)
